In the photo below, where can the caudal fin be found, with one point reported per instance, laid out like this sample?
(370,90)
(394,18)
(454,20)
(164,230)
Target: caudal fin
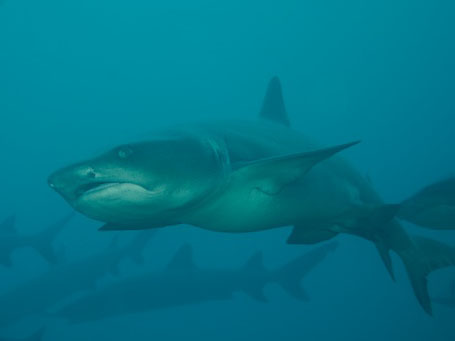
(291,274)
(43,242)
(433,207)
(427,255)
(46,249)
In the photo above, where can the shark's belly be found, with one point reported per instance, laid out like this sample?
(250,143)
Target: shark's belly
(316,199)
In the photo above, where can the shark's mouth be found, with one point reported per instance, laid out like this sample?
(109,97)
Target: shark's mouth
(93,187)
(93,190)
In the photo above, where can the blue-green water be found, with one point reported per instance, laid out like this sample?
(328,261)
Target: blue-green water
(78,76)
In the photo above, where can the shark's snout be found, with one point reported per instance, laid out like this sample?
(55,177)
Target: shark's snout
(66,181)
(53,180)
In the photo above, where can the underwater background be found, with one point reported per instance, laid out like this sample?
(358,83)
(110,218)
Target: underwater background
(79,76)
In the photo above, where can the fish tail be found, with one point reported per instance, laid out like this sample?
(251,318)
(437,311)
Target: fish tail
(420,259)
(432,207)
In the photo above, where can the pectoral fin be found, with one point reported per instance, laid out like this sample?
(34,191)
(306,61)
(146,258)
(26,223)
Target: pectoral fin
(272,174)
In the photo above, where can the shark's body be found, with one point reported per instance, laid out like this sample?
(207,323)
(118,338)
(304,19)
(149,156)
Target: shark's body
(242,204)
(60,282)
(11,240)
(244,177)
(183,283)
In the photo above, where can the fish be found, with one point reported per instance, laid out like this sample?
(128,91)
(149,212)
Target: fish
(184,283)
(432,207)
(10,240)
(246,176)
(40,294)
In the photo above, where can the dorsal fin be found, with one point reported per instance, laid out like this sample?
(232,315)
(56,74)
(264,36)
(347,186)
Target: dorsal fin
(273,108)
(8,226)
(183,259)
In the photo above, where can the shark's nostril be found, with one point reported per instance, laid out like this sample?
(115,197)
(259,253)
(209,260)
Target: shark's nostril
(91,173)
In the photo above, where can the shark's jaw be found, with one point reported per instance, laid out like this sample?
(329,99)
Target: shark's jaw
(119,202)
(94,187)
(119,199)
(111,190)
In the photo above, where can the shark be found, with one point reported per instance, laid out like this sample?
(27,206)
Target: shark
(40,294)
(11,240)
(447,301)
(432,207)
(184,283)
(36,336)
(239,176)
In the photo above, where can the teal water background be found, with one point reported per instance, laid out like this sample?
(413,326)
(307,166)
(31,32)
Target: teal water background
(78,76)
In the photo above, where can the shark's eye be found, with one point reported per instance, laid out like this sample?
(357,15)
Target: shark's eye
(124,151)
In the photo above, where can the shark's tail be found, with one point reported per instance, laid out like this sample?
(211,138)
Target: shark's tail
(46,250)
(420,256)
(290,276)
(433,207)
(43,242)
(427,256)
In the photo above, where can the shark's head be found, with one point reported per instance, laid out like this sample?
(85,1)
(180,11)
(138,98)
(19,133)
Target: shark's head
(142,184)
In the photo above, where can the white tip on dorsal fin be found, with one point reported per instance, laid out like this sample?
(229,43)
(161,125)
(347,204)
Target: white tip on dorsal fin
(273,108)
